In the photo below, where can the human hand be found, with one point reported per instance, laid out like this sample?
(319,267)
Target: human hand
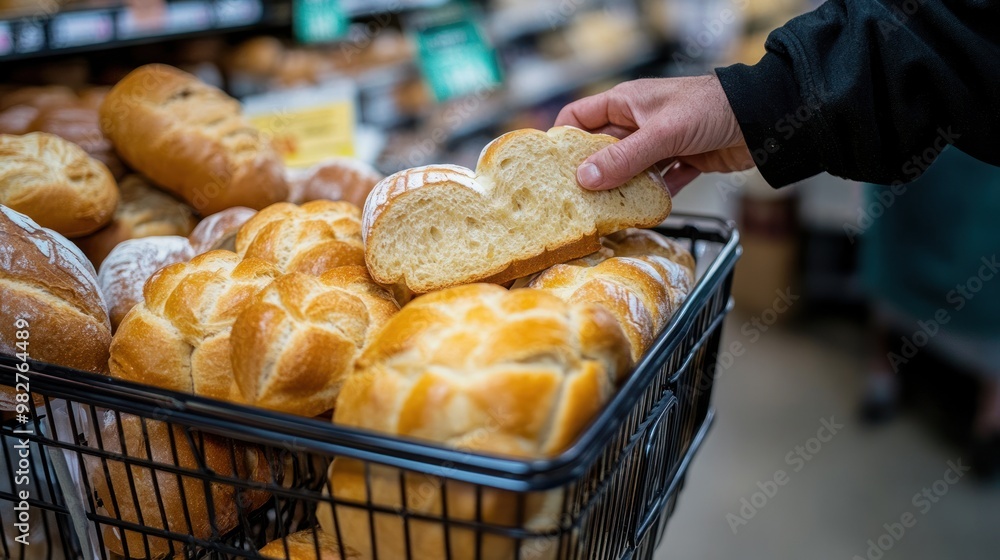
(683,124)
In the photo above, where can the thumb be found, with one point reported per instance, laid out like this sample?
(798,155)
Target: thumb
(614,165)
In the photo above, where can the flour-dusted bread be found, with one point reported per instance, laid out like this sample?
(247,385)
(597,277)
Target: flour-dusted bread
(313,238)
(476,367)
(126,269)
(143,211)
(219,230)
(166,501)
(48,283)
(311,544)
(191,139)
(519,212)
(640,276)
(179,337)
(294,345)
(56,183)
(338,178)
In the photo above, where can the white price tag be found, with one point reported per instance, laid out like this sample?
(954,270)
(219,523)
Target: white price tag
(74,29)
(183,17)
(30,37)
(236,13)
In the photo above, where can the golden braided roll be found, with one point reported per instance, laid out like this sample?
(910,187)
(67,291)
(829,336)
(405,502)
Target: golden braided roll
(311,544)
(179,337)
(297,341)
(640,276)
(313,238)
(476,367)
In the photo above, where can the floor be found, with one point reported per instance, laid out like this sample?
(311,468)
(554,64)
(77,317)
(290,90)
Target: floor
(856,495)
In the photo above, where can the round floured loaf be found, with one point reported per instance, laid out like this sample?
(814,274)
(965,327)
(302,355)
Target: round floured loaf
(56,183)
(338,178)
(166,501)
(144,211)
(294,345)
(313,238)
(520,212)
(479,368)
(179,337)
(219,230)
(46,281)
(191,139)
(640,276)
(306,545)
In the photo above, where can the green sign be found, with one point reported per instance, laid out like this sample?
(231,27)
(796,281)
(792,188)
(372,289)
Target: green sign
(453,53)
(318,21)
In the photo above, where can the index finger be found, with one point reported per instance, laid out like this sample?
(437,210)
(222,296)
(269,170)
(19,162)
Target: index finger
(589,113)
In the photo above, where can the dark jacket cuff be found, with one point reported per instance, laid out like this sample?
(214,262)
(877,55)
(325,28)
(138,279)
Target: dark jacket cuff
(774,118)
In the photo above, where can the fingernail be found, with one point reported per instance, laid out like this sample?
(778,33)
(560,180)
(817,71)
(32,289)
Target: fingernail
(589,175)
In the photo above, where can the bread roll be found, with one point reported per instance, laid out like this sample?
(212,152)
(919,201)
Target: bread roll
(168,501)
(17,119)
(178,337)
(126,269)
(641,277)
(56,183)
(521,211)
(340,178)
(313,238)
(479,368)
(143,211)
(294,345)
(92,96)
(39,97)
(79,125)
(46,281)
(191,139)
(219,230)
(311,544)
(260,56)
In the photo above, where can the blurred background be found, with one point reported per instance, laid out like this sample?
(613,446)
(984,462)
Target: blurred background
(857,394)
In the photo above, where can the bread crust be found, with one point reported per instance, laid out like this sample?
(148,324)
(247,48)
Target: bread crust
(303,546)
(219,230)
(191,139)
(339,178)
(56,183)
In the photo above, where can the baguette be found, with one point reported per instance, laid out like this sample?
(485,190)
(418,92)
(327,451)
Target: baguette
(191,139)
(520,212)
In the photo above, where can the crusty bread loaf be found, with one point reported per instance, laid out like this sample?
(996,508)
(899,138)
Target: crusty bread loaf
(191,139)
(476,367)
(313,238)
(17,119)
(80,125)
(178,337)
(311,544)
(126,269)
(46,281)
(219,230)
(39,96)
(143,211)
(520,212)
(56,184)
(337,178)
(294,345)
(641,277)
(167,501)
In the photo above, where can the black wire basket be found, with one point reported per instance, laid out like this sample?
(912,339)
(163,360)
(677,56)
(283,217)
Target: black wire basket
(110,469)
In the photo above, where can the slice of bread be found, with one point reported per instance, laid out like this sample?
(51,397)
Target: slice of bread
(522,211)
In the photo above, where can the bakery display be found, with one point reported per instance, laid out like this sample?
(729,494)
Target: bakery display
(293,346)
(191,139)
(179,337)
(185,505)
(313,238)
(39,97)
(518,373)
(56,183)
(306,545)
(143,211)
(79,124)
(521,211)
(339,178)
(124,272)
(640,276)
(46,281)
(17,119)
(219,230)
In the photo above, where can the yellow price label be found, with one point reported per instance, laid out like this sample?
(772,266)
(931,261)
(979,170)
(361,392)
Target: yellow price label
(307,135)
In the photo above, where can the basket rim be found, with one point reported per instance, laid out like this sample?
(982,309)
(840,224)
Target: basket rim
(307,434)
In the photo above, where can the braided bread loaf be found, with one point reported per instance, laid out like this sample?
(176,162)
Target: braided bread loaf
(479,368)
(313,238)
(311,544)
(640,276)
(179,337)
(294,345)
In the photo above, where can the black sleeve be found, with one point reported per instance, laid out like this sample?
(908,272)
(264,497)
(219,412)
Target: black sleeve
(872,90)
